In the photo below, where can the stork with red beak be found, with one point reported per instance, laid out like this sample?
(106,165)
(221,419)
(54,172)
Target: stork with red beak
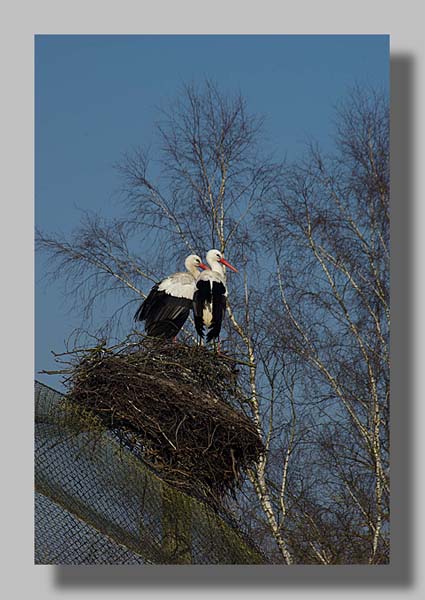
(169,302)
(209,300)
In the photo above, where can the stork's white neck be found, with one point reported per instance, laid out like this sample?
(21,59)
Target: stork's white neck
(192,270)
(217,267)
(191,263)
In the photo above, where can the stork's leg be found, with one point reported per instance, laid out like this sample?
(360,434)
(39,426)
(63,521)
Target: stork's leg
(217,345)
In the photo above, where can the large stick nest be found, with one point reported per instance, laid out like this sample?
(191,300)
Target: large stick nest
(176,406)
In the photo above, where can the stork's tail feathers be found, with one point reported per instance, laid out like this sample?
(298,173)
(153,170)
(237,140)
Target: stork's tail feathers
(199,326)
(214,332)
(139,316)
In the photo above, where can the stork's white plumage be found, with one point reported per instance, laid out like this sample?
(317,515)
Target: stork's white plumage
(209,300)
(168,304)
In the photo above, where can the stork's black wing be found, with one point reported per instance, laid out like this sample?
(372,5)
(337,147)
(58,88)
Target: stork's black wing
(210,293)
(201,297)
(218,309)
(164,314)
(143,310)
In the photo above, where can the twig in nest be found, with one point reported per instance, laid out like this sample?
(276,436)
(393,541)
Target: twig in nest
(151,393)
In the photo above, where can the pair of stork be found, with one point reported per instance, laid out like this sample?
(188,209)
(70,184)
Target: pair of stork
(169,302)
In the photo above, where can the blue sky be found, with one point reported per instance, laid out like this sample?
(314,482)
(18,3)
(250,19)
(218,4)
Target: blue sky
(96,97)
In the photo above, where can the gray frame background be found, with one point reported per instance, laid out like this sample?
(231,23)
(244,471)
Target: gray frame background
(20,21)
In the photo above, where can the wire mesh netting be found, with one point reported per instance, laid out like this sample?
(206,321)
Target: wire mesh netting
(96,503)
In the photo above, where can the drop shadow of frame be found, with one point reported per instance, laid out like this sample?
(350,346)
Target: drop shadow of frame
(399,573)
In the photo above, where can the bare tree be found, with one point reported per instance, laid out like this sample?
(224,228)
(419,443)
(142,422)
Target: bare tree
(311,337)
(328,229)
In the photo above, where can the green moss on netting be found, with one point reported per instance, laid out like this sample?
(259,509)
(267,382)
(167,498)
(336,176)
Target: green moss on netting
(176,407)
(97,503)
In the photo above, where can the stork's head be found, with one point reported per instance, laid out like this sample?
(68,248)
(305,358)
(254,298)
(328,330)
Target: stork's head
(194,262)
(215,256)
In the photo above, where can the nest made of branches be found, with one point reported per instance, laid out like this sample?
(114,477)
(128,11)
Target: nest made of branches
(176,406)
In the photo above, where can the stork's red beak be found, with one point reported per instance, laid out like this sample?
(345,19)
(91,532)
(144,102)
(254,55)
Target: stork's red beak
(224,262)
(203,267)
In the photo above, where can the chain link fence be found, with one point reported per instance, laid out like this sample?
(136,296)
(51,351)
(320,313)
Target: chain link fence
(96,503)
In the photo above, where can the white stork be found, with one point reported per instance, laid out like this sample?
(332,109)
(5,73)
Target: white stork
(168,304)
(209,300)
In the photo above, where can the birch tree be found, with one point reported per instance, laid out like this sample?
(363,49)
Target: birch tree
(328,229)
(307,315)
